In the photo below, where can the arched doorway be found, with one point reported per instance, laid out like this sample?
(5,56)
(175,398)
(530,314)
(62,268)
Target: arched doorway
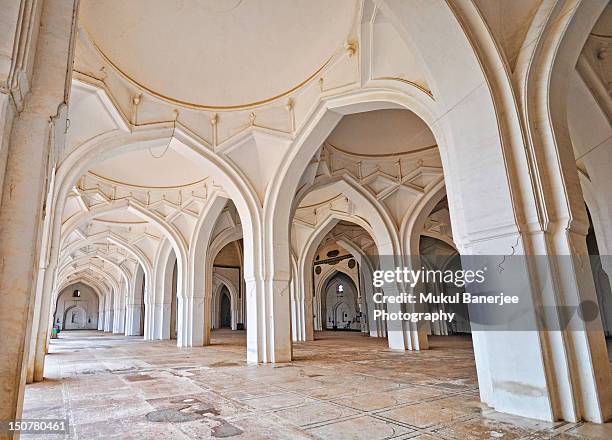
(225,309)
(339,305)
(333,272)
(75,318)
(77,307)
(226,269)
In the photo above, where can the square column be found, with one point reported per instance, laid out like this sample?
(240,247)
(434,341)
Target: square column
(268,318)
(36,136)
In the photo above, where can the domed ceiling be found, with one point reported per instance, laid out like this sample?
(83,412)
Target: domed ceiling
(158,167)
(218,52)
(381,132)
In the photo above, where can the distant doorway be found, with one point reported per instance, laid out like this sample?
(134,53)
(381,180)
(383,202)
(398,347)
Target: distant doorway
(225,310)
(74,318)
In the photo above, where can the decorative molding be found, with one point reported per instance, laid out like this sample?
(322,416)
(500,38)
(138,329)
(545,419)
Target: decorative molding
(405,81)
(113,182)
(387,156)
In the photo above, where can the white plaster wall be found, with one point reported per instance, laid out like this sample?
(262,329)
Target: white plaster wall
(88,301)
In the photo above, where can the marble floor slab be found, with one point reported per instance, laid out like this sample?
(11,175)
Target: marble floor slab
(340,386)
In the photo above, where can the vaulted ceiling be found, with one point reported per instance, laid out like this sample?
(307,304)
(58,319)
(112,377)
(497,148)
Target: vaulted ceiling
(219,53)
(381,132)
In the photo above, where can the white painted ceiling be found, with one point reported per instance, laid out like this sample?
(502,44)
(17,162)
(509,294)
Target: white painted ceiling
(381,132)
(325,194)
(218,52)
(152,168)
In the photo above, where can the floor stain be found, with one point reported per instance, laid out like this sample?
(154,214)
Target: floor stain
(170,415)
(225,429)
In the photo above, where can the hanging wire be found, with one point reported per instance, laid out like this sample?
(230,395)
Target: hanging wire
(167,145)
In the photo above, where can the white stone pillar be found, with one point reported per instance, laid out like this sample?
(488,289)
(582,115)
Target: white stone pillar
(134,304)
(158,316)
(176,296)
(417,330)
(163,287)
(42,319)
(208,319)
(295,324)
(549,282)
(190,309)
(119,310)
(376,328)
(42,33)
(156,306)
(108,312)
(401,335)
(207,315)
(317,320)
(242,306)
(307,304)
(7,113)
(268,315)
(235,307)
(101,315)
(299,304)
(149,318)
(39,311)
(162,320)
(397,334)
(132,320)
(363,306)
(306,311)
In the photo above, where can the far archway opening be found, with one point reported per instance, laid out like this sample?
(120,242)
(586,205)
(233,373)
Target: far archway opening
(438,253)
(225,309)
(77,308)
(225,267)
(440,257)
(380,173)
(340,278)
(372,171)
(340,304)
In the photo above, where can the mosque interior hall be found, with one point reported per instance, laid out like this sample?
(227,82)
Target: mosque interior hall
(201,200)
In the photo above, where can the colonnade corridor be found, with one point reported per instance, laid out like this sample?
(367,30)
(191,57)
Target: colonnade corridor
(333,219)
(341,386)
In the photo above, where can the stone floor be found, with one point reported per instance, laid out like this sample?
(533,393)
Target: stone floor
(342,386)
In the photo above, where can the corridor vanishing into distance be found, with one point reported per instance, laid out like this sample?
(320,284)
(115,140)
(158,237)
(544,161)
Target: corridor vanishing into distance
(324,219)
(342,386)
